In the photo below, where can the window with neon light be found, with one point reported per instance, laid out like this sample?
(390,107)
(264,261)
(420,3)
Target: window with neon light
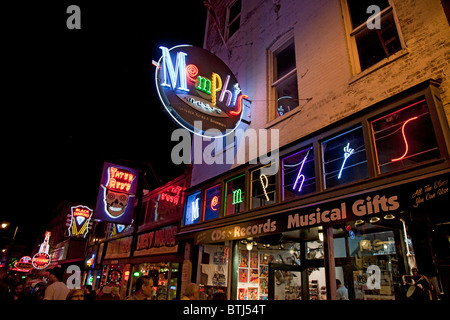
(263,188)
(164,205)
(344,158)
(404,137)
(192,208)
(298,174)
(212,203)
(283,76)
(235,195)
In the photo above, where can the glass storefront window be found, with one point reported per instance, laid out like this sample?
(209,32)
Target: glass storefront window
(212,203)
(404,137)
(263,188)
(164,276)
(235,195)
(192,208)
(214,270)
(298,174)
(344,158)
(371,258)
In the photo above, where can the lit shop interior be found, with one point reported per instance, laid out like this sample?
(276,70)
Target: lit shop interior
(370,258)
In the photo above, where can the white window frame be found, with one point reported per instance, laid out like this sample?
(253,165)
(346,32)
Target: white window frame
(272,53)
(228,23)
(351,41)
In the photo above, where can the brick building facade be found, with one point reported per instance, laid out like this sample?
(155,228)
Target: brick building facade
(324,75)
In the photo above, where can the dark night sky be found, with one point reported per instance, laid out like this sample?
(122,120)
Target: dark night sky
(76,98)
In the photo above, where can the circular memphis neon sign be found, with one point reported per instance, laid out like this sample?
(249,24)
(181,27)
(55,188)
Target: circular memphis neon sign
(199,91)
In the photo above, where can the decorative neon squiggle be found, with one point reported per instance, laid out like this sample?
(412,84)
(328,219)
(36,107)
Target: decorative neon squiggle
(347,153)
(264,184)
(214,203)
(300,176)
(404,138)
(192,72)
(239,109)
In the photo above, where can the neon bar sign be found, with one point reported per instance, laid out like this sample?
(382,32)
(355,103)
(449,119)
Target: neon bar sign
(41,259)
(79,221)
(195,85)
(116,195)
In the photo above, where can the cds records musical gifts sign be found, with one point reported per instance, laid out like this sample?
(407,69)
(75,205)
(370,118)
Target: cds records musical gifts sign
(199,91)
(116,194)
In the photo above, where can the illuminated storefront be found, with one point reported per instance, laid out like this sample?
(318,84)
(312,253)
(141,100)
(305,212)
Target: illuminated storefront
(361,201)
(146,247)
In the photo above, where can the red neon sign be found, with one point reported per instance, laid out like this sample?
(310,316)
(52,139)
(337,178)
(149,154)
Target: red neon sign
(172,195)
(404,138)
(192,72)
(119,179)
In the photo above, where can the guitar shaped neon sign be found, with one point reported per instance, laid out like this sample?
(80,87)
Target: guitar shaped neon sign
(41,259)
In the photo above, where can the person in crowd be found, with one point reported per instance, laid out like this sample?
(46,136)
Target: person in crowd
(17,293)
(56,288)
(115,293)
(75,294)
(419,286)
(89,293)
(106,294)
(219,295)
(341,291)
(4,290)
(144,289)
(192,292)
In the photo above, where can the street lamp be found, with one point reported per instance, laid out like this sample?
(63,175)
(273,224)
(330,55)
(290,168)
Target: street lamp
(5,225)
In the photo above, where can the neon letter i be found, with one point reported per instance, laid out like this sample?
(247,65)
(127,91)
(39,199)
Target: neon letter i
(347,153)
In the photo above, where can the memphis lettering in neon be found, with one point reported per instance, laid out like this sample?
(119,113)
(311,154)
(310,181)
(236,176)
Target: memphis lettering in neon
(176,78)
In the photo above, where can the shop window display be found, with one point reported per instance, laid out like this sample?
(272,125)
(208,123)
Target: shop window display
(344,158)
(376,255)
(214,269)
(404,137)
(298,174)
(164,276)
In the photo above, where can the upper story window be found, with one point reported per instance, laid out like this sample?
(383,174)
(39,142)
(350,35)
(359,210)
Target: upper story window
(164,206)
(404,137)
(371,41)
(233,21)
(283,79)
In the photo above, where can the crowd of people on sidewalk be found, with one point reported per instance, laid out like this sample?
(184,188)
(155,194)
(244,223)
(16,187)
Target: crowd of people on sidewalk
(49,285)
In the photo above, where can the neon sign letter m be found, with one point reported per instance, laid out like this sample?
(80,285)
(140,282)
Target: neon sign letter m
(177,75)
